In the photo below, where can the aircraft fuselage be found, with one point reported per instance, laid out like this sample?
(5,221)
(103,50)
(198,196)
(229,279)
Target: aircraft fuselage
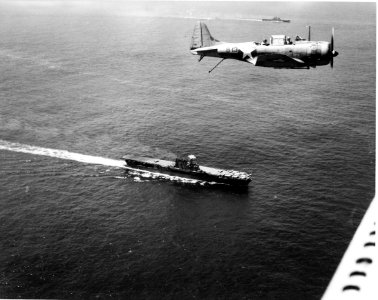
(280,52)
(303,54)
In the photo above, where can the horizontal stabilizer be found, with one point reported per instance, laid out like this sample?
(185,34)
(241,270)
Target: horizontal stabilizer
(205,51)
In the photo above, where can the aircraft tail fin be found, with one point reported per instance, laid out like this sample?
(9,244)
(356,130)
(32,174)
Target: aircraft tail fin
(201,37)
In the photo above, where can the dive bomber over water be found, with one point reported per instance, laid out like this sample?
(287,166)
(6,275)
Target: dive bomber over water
(190,167)
(280,52)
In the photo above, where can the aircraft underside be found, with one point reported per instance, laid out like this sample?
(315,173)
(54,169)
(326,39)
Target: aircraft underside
(272,61)
(268,60)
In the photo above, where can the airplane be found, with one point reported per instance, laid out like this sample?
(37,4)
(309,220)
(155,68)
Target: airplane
(280,52)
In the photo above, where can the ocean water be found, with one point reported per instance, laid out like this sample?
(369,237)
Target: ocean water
(83,83)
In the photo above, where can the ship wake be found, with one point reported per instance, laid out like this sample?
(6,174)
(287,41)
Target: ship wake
(136,174)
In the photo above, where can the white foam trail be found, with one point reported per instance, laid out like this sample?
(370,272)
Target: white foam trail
(89,159)
(63,154)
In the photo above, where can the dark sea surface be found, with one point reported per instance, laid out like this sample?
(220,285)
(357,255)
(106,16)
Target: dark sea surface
(116,78)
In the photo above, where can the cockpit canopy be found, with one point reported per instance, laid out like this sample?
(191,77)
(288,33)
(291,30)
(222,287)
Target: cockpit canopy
(279,40)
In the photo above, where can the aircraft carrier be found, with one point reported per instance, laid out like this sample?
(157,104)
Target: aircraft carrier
(188,166)
(276,19)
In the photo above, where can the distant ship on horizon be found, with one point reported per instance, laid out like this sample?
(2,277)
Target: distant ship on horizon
(276,19)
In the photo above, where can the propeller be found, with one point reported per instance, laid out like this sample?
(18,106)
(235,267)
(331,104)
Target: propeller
(332,52)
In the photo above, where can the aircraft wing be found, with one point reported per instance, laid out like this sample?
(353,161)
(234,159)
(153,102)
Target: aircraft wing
(276,61)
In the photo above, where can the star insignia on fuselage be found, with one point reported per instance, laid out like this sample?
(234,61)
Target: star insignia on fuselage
(246,50)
